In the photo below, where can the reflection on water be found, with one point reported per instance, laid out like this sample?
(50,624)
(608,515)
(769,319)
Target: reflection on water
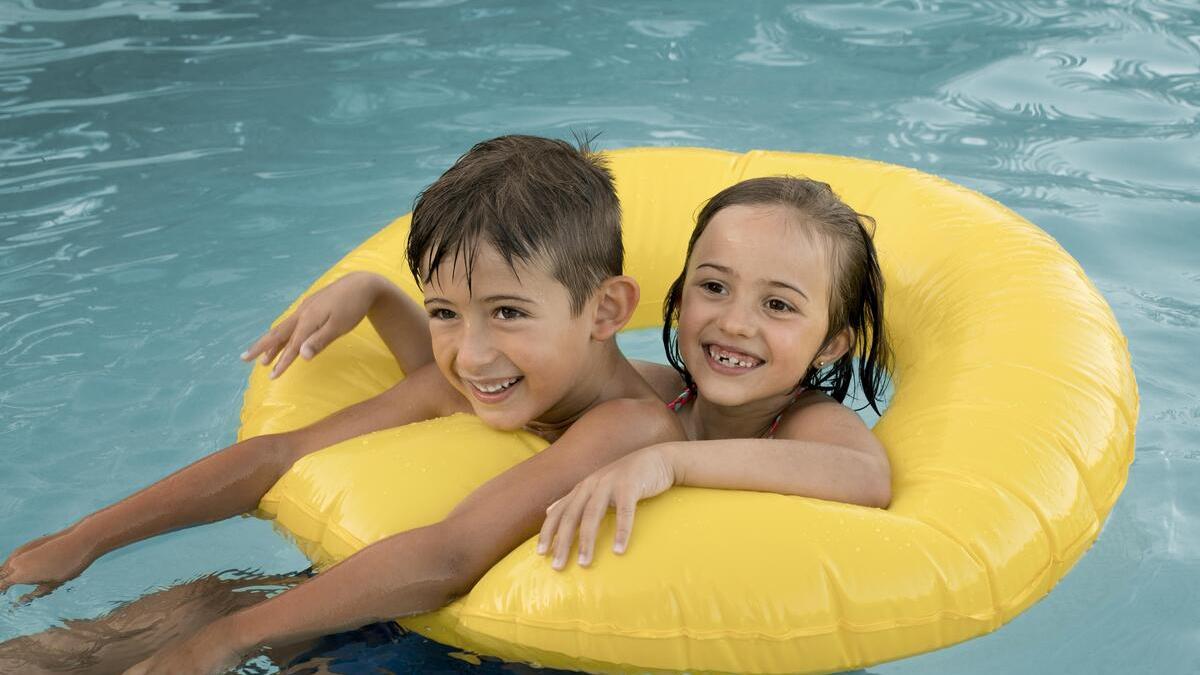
(172,173)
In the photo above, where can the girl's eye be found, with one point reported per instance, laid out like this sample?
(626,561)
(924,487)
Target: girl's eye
(442,314)
(508,313)
(777,305)
(712,287)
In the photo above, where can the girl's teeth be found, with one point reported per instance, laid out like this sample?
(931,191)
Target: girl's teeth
(729,360)
(493,388)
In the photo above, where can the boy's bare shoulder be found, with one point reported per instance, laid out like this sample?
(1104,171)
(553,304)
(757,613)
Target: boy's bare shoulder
(644,419)
(665,380)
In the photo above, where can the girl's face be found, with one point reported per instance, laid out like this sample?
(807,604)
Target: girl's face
(755,304)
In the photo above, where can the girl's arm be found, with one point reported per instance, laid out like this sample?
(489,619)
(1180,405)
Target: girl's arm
(335,310)
(423,569)
(226,483)
(821,450)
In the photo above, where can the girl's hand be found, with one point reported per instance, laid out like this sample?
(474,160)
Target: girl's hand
(322,318)
(622,484)
(47,562)
(208,652)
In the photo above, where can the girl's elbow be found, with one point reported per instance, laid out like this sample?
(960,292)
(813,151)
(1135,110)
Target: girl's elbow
(880,494)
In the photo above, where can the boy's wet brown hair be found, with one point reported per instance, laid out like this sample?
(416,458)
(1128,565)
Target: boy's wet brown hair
(856,289)
(535,200)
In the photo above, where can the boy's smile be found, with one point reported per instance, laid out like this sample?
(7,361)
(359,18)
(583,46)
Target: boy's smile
(509,343)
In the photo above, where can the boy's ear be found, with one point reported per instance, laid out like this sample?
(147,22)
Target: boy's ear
(617,297)
(835,349)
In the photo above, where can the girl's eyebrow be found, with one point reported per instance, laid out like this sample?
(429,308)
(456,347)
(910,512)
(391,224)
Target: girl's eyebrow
(788,286)
(773,282)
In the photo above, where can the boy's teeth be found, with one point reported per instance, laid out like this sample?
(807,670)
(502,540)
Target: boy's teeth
(730,360)
(499,386)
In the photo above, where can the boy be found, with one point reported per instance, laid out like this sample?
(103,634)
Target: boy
(519,252)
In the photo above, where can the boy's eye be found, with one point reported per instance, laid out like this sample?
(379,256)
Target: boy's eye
(508,313)
(442,314)
(777,305)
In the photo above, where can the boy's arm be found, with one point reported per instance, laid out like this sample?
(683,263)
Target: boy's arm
(223,484)
(335,310)
(423,569)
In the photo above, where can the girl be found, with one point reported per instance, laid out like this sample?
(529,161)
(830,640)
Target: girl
(780,293)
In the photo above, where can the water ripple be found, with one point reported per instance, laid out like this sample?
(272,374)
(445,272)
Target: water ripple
(27,11)
(99,167)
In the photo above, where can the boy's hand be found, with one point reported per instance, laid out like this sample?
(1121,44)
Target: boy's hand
(47,562)
(322,318)
(622,484)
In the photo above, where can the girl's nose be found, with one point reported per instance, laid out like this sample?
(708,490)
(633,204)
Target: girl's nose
(736,320)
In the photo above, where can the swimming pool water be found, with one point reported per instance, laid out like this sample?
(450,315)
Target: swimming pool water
(172,173)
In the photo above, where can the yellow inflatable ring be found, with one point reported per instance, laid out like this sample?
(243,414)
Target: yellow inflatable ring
(1010,433)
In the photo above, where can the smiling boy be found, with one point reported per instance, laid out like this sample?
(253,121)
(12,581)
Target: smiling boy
(519,252)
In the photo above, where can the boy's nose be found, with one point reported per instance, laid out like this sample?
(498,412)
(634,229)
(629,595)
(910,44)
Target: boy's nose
(476,349)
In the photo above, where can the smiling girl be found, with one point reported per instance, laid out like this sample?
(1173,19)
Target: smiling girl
(781,292)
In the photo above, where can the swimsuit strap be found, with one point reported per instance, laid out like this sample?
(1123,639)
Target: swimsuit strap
(688,394)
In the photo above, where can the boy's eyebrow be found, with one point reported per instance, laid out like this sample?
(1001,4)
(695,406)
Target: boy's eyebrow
(490,298)
(773,282)
(501,298)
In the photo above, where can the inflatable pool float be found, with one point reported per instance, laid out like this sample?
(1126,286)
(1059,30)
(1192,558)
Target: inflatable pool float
(1010,433)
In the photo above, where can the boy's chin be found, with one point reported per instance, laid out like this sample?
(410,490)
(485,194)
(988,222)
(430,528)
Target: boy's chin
(501,420)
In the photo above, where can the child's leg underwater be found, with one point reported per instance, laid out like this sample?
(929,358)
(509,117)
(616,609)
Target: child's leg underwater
(133,631)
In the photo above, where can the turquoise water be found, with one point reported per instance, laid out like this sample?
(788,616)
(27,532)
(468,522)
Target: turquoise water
(173,173)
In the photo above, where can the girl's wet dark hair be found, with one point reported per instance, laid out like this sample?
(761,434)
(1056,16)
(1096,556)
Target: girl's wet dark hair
(856,291)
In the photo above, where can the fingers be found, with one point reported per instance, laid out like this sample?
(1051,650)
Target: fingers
(304,329)
(626,505)
(41,590)
(266,347)
(593,513)
(553,516)
(320,339)
(5,584)
(566,528)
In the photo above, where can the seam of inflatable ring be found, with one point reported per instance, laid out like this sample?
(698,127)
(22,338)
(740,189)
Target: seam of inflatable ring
(988,619)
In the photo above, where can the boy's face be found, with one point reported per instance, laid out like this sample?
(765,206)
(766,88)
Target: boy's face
(510,344)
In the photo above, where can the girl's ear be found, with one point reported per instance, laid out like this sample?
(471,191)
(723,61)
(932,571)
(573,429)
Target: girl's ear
(834,349)
(617,298)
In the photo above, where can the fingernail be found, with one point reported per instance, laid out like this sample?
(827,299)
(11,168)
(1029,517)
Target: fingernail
(273,375)
(583,560)
(263,359)
(245,355)
(558,563)
(619,547)
(541,549)
(306,352)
